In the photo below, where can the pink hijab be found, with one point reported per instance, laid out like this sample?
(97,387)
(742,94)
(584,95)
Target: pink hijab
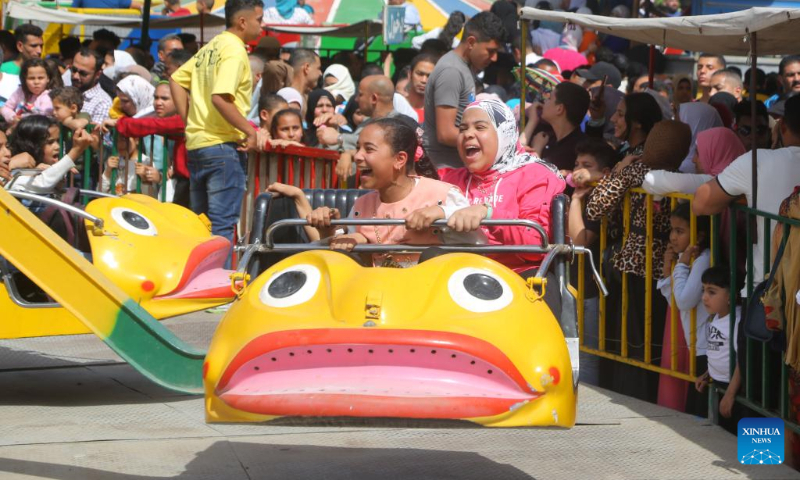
(717,148)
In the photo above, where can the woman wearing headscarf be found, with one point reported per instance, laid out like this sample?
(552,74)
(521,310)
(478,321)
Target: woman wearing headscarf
(665,147)
(501,180)
(700,117)
(287,12)
(338,81)
(135,96)
(682,93)
(320,112)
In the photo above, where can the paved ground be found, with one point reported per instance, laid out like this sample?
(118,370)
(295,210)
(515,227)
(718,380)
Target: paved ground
(70,411)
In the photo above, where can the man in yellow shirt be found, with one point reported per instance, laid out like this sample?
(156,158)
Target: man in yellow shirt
(212,94)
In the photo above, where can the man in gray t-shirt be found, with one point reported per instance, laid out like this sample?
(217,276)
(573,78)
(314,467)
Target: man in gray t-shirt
(451,86)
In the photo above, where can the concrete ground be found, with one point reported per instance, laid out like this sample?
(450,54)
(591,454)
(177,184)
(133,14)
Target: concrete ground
(71,411)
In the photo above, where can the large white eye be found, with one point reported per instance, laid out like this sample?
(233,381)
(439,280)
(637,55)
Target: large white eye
(479,290)
(133,221)
(290,287)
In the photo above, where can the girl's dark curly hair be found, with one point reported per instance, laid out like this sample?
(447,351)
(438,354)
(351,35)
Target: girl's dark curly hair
(30,136)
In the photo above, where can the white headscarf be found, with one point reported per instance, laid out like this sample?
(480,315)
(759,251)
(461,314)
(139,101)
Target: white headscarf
(510,154)
(141,93)
(122,59)
(344,85)
(291,95)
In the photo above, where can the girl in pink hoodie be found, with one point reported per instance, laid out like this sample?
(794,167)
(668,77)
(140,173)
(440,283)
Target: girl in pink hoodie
(500,180)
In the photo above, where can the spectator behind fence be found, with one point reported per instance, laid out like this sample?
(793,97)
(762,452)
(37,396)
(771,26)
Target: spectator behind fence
(700,117)
(135,96)
(168,123)
(385,158)
(634,117)
(666,145)
(87,67)
(777,174)
(501,182)
(375,100)
(564,111)
(717,301)
(67,104)
(594,160)
(306,70)
(29,45)
(174,61)
(727,81)
(451,86)
(205,6)
(707,65)
(321,111)
(421,69)
(217,131)
(449,35)
(166,45)
(189,41)
(35,142)
(287,128)
(566,55)
(789,75)
(337,80)
(744,125)
(125,163)
(683,266)
(32,97)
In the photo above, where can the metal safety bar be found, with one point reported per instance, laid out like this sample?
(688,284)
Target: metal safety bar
(400,222)
(97,221)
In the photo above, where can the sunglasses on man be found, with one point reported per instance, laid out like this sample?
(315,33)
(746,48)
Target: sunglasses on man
(82,73)
(744,130)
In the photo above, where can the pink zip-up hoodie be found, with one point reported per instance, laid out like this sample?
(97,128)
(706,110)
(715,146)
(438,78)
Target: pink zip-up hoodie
(525,193)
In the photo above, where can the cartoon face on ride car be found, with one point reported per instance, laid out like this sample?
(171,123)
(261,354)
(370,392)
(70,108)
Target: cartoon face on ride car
(456,337)
(161,254)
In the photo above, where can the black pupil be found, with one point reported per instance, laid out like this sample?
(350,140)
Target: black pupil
(135,220)
(483,286)
(287,284)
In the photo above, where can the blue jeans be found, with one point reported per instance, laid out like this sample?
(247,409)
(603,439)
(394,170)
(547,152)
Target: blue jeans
(217,185)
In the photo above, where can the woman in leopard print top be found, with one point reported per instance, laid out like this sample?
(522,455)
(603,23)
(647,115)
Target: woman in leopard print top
(665,147)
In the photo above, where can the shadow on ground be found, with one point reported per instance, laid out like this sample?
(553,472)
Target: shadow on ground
(232,460)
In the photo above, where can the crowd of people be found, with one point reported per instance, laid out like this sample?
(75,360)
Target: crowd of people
(436,136)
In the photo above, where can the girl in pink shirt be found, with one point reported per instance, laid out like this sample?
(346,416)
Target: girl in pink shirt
(33,94)
(385,160)
(501,181)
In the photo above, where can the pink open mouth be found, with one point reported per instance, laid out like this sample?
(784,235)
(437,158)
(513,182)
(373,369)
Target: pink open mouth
(203,276)
(373,373)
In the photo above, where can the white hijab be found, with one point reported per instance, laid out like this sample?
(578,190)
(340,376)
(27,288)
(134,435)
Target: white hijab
(141,93)
(344,85)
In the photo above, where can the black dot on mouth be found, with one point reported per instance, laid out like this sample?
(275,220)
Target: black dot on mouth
(453,356)
(291,354)
(257,368)
(329,350)
(370,351)
(274,359)
(309,352)
(349,350)
(472,362)
(412,350)
(391,351)
(433,352)
(489,372)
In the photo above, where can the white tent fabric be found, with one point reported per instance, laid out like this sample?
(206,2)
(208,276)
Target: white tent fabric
(35,13)
(369,28)
(726,33)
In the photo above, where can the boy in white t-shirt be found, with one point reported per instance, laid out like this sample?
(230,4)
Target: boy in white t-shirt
(720,342)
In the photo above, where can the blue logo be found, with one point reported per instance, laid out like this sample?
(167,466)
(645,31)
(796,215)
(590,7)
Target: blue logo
(760,441)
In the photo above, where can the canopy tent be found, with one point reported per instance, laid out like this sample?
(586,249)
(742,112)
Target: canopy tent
(725,33)
(34,13)
(366,28)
